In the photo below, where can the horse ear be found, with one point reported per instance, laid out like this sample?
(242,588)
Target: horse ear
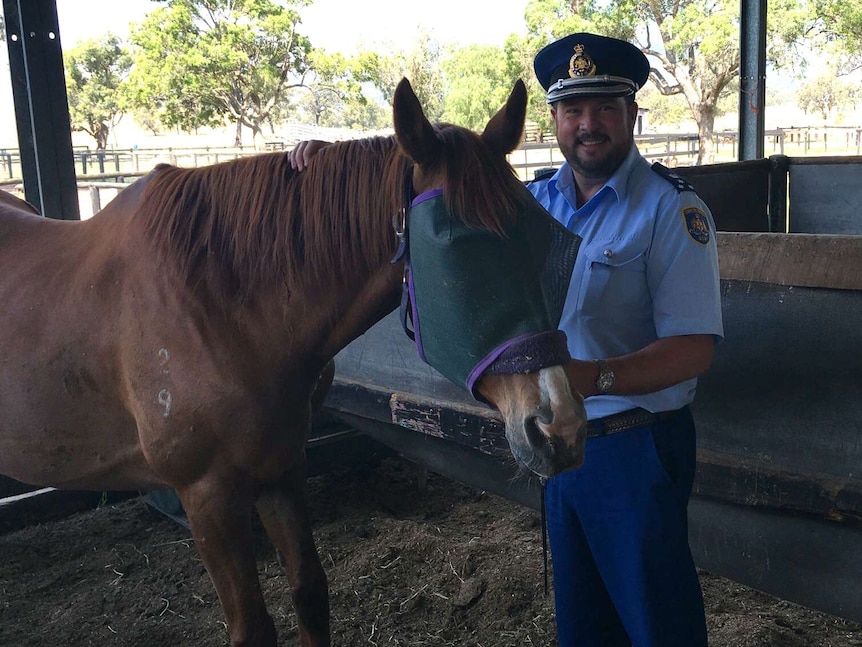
(504,130)
(414,132)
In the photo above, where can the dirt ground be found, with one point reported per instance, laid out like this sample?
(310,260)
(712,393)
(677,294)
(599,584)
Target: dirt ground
(412,558)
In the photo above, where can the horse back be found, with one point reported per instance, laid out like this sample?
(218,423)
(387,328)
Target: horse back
(106,355)
(14,203)
(63,285)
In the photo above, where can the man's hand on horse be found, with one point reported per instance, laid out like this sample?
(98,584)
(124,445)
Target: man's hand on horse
(302,153)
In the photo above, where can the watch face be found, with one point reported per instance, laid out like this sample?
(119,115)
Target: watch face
(606,379)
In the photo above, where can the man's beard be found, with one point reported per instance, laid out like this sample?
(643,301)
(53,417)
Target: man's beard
(601,167)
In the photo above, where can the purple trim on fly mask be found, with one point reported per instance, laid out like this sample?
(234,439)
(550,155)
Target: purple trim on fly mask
(523,354)
(422,197)
(411,289)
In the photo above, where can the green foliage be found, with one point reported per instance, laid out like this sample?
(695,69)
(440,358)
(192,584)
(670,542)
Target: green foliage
(827,95)
(789,22)
(355,91)
(421,65)
(692,45)
(363,114)
(95,72)
(478,82)
(201,62)
(841,20)
(549,20)
(664,110)
(519,52)
(333,96)
(840,24)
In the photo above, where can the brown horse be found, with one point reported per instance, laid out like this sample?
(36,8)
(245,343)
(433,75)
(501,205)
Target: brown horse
(183,336)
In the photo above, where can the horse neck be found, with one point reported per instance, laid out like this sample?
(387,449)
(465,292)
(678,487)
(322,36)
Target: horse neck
(331,277)
(348,200)
(350,274)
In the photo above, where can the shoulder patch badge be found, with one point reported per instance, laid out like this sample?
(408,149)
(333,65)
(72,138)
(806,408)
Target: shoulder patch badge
(678,182)
(696,224)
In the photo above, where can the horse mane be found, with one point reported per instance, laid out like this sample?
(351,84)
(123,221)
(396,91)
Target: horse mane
(254,221)
(480,185)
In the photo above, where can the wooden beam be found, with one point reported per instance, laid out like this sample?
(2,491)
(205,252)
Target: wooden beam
(720,475)
(801,260)
(755,483)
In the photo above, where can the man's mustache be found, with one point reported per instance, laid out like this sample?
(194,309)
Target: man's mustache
(592,138)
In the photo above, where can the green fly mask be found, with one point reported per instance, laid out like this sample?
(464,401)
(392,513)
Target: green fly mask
(479,302)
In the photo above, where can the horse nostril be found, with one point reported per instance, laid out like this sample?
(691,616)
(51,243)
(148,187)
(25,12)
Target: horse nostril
(535,429)
(545,417)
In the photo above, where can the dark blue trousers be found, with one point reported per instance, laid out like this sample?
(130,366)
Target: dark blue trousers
(618,529)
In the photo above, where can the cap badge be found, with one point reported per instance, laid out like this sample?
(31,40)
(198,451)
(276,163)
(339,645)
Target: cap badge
(581,64)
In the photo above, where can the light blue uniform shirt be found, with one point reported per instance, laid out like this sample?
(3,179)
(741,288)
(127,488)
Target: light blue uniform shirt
(647,268)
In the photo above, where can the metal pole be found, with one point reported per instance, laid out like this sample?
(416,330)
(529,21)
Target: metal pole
(752,78)
(41,107)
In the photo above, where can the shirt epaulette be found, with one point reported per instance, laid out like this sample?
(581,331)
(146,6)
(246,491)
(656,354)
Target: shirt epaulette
(678,182)
(543,174)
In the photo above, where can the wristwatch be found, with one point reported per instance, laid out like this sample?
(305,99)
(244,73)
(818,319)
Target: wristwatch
(606,379)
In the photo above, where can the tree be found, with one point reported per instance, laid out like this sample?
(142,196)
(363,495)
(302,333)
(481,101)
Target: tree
(697,49)
(546,21)
(95,72)
(663,110)
(840,23)
(421,66)
(202,62)
(332,94)
(826,94)
(835,28)
(693,45)
(478,82)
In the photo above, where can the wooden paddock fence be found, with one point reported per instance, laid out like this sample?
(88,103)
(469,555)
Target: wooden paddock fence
(102,174)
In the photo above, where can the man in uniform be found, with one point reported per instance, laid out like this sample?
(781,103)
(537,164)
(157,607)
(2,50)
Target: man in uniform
(642,317)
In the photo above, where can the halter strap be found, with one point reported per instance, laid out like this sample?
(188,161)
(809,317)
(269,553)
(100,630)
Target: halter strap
(400,225)
(399,220)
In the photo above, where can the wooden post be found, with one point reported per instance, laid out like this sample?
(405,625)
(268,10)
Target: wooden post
(95,199)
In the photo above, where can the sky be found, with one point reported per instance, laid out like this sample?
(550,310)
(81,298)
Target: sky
(336,25)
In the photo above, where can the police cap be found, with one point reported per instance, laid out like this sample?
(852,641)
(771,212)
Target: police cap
(588,65)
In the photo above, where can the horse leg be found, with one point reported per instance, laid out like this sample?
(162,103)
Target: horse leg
(220,518)
(284,512)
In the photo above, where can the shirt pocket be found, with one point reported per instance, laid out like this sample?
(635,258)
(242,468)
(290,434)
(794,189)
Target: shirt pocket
(614,280)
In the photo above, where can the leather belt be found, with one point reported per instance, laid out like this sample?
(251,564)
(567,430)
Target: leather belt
(625,421)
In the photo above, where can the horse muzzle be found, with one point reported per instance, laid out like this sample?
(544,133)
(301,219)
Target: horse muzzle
(546,423)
